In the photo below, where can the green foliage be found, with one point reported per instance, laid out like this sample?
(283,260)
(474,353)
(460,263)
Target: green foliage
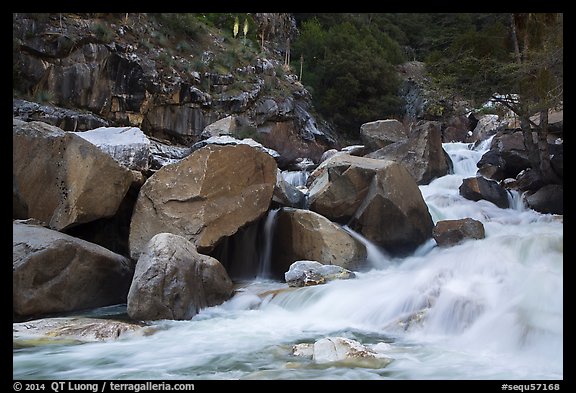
(43,97)
(350,68)
(480,61)
(247,131)
(103,31)
(180,24)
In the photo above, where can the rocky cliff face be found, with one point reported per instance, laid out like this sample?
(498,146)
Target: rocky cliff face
(170,77)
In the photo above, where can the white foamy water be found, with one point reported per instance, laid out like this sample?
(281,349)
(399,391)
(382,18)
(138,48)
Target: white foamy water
(484,309)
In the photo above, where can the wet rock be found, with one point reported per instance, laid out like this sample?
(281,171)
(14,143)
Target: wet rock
(548,199)
(74,329)
(306,273)
(173,281)
(477,188)
(341,351)
(451,232)
(55,272)
(306,235)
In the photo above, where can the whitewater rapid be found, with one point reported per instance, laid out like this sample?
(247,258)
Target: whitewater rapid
(483,309)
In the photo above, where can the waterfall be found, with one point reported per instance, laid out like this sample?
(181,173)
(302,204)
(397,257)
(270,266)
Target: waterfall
(296,178)
(264,269)
(376,257)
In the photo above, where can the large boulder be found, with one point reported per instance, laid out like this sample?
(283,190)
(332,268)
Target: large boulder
(339,185)
(306,273)
(62,179)
(205,197)
(127,145)
(293,139)
(456,129)
(173,281)
(506,158)
(548,199)
(477,188)
(306,235)
(422,153)
(54,272)
(380,133)
(393,213)
(451,232)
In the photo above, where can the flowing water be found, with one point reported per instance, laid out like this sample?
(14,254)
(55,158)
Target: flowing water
(484,309)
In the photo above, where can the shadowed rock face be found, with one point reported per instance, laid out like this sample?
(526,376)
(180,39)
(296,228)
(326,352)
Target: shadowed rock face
(477,188)
(91,81)
(54,272)
(208,195)
(393,214)
(548,199)
(62,179)
(173,281)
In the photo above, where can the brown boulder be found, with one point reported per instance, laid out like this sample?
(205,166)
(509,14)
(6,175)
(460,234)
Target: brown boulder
(393,214)
(380,133)
(339,185)
(305,235)
(204,197)
(62,179)
(54,272)
(173,281)
(477,188)
(548,199)
(422,154)
(451,232)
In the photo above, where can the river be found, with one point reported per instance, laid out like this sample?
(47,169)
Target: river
(484,309)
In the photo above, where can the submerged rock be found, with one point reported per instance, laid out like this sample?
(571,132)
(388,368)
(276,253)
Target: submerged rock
(341,351)
(69,330)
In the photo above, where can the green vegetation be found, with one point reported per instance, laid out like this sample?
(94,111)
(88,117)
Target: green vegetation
(350,69)
(103,32)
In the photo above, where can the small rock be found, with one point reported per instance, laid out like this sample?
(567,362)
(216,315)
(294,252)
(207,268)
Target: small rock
(306,273)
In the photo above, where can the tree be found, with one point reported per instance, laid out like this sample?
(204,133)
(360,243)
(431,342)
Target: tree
(536,75)
(349,67)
